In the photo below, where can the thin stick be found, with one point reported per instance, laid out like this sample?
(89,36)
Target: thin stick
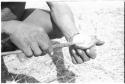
(54,46)
(11,52)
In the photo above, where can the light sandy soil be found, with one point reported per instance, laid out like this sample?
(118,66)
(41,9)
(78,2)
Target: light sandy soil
(105,20)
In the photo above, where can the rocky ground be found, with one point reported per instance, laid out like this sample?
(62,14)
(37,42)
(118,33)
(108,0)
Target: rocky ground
(103,19)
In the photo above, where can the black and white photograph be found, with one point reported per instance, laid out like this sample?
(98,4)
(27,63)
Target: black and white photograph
(61,41)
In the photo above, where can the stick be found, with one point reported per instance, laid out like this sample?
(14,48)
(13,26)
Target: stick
(54,46)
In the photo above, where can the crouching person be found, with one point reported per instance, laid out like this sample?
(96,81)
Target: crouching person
(31,30)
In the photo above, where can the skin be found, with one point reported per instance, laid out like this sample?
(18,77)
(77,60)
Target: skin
(63,17)
(32,37)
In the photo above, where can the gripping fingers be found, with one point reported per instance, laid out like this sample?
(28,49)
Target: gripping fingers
(73,59)
(91,52)
(27,51)
(35,48)
(22,44)
(83,55)
(43,41)
(76,57)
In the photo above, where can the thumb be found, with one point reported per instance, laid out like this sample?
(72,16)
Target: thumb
(96,42)
(99,42)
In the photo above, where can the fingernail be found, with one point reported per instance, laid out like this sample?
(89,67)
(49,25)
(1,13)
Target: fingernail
(100,43)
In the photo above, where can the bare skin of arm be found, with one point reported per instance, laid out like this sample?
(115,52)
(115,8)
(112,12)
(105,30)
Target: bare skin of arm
(31,39)
(61,15)
(43,19)
(63,18)
(28,37)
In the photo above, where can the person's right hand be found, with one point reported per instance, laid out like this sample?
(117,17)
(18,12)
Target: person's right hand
(31,39)
(84,48)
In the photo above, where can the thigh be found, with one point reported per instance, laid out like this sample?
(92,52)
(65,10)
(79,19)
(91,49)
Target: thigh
(17,8)
(43,19)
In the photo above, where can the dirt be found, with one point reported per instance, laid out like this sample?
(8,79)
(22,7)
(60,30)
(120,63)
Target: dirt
(103,19)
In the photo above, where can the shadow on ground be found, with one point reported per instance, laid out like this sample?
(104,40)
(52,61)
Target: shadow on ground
(63,74)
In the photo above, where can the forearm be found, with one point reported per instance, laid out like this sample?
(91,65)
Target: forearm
(7,26)
(4,25)
(39,18)
(63,18)
(7,15)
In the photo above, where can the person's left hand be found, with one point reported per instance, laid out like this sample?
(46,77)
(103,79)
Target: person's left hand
(84,48)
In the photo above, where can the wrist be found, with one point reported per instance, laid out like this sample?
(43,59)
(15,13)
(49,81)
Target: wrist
(4,26)
(8,26)
(70,37)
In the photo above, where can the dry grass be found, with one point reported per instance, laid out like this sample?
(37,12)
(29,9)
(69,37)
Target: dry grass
(105,20)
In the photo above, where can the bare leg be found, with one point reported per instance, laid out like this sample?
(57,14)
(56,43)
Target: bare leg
(43,19)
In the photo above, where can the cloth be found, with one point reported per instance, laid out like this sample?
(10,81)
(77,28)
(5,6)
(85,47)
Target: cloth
(18,8)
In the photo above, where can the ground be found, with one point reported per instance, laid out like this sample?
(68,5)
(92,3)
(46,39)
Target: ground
(103,19)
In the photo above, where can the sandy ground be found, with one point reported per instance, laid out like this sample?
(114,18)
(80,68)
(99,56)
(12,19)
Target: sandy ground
(103,19)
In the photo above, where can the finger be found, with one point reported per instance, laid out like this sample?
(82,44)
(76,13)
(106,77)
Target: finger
(45,48)
(71,53)
(22,44)
(28,52)
(22,57)
(44,43)
(73,60)
(83,55)
(76,57)
(91,52)
(83,47)
(35,48)
(94,42)
(99,42)
(50,51)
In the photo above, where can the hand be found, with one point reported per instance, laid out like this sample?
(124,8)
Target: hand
(31,39)
(84,48)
